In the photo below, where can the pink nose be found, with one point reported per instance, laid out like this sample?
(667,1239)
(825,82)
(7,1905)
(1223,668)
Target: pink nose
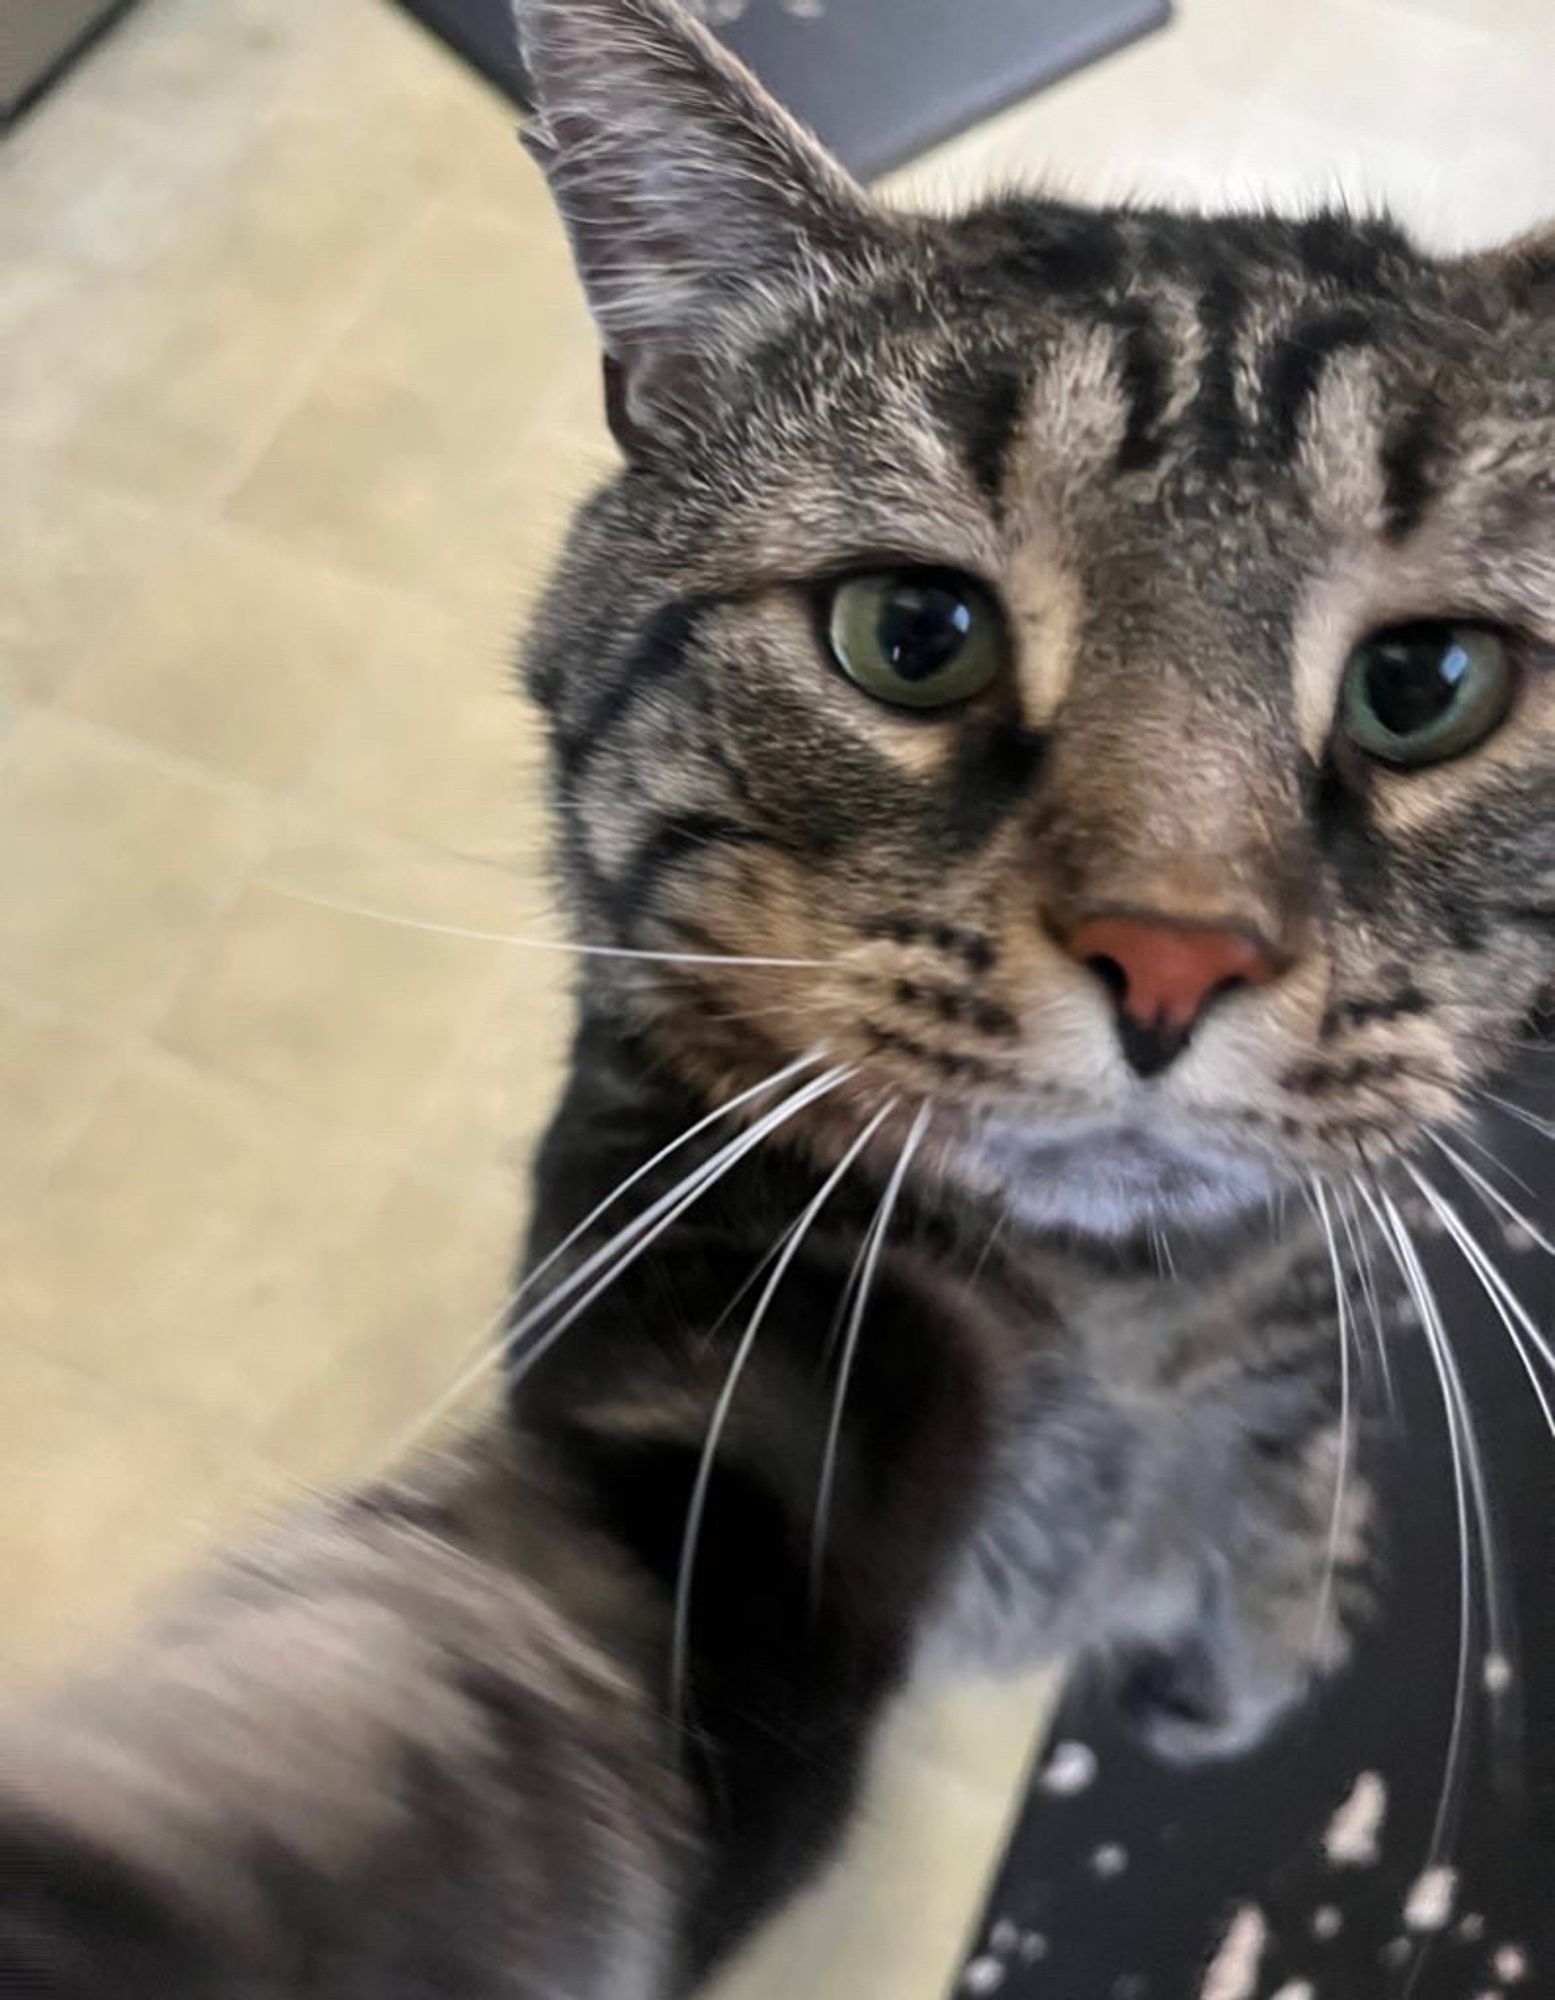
(1163,974)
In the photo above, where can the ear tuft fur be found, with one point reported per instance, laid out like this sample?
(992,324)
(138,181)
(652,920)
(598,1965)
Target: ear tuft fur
(689,195)
(1521,272)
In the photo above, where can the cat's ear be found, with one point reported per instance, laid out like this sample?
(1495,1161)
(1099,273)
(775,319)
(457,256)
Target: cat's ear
(1521,272)
(689,195)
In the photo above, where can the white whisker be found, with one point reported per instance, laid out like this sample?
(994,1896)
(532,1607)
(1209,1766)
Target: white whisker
(1466,1456)
(1497,1612)
(1469,1499)
(744,1097)
(1342,1472)
(697,1507)
(874,1244)
(630,1241)
(1545,1127)
(498,1320)
(1366,1277)
(1510,1310)
(836,1331)
(990,1243)
(1491,1193)
(645,1229)
(1463,1130)
(378,916)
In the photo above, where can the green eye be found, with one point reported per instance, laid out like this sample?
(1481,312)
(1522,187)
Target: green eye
(1419,694)
(917,638)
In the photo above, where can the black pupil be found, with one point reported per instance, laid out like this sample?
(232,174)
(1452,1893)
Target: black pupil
(1413,677)
(923,626)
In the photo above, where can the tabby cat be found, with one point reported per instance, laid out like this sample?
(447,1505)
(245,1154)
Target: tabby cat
(1053,732)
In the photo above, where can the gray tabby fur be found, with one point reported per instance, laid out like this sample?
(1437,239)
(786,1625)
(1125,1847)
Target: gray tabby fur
(430,1739)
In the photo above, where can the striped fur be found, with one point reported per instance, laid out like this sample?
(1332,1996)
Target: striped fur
(1198,459)
(506,1727)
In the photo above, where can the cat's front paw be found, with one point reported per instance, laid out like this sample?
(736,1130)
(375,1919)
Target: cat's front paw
(1222,1685)
(1184,1703)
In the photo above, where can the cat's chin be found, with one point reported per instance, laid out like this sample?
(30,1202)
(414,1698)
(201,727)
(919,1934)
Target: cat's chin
(1116,1184)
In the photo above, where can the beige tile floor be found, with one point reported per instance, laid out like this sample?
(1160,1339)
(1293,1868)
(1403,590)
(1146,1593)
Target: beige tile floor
(296,394)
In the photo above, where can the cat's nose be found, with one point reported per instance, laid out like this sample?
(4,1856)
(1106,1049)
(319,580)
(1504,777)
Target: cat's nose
(1164,974)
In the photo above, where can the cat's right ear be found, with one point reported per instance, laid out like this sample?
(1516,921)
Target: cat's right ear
(690,197)
(1521,272)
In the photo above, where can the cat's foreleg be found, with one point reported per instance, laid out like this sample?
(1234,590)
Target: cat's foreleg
(1280,1585)
(369,1762)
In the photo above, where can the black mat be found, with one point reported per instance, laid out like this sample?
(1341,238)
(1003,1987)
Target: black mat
(36,61)
(880,80)
(1125,1889)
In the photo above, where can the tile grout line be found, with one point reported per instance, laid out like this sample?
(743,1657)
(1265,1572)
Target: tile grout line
(192,513)
(301,378)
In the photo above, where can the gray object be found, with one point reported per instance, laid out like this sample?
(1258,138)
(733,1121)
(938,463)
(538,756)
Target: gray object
(37,37)
(879,80)
(882,80)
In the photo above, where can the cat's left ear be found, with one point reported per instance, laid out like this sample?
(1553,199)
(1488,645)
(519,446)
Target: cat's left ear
(689,195)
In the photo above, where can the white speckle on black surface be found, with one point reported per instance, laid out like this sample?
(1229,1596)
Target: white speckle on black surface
(1232,1973)
(983,1975)
(1033,1946)
(1003,1938)
(1109,1861)
(1334,1837)
(1510,1964)
(1131,1986)
(1432,1895)
(1069,1770)
(1353,1836)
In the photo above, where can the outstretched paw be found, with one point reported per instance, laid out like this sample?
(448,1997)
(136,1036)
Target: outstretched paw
(1217,1689)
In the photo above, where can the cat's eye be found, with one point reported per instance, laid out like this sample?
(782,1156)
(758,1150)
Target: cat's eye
(919,638)
(1420,694)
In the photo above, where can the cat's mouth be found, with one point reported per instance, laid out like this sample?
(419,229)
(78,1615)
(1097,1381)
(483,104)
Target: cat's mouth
(1117,1180)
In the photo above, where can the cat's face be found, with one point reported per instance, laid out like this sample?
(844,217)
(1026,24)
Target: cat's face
(1114,652)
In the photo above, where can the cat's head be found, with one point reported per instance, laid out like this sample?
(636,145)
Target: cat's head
(1113,651)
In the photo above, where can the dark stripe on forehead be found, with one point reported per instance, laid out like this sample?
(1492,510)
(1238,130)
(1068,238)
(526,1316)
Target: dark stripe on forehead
(1222,308)
(1145,374)
(1352,251)
(981,405)
(1058,250)
(1413,452)
(1296,365)
(657,657)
